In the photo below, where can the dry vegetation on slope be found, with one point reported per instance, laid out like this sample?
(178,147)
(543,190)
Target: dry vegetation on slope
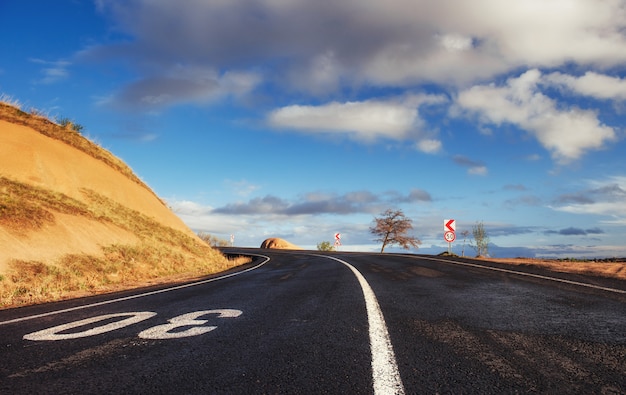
(64,234)
(67,135)
(603,268)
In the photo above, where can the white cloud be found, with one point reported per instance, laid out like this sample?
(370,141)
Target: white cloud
(429,146)
(365,120)
(567,132)
(320,46)
(592,84)
(369,120)
(456,42)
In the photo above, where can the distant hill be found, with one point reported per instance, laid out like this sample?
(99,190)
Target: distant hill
(74,218)
(279,244)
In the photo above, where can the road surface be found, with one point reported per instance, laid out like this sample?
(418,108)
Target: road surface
(311,322)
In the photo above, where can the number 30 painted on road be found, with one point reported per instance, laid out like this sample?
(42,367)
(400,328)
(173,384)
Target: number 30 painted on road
(164,331)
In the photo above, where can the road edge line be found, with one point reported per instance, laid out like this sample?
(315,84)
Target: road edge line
(509,271)
(141,295)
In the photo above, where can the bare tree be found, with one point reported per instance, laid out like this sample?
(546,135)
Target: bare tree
(464,233)
(392,227)
(213,241)
(481,239)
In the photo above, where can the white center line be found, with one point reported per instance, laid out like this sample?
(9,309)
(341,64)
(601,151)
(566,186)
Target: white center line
(385,374)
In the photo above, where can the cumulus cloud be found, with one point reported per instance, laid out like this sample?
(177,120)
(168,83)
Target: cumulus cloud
(567,132)
(429,146)
(202,51)
(318,46)
(592,84)
(365,120)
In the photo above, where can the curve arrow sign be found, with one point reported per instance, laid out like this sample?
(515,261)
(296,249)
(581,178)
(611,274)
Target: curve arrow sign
(449,225)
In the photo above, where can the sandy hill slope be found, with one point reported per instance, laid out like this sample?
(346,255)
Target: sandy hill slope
(278,243)
(74,217)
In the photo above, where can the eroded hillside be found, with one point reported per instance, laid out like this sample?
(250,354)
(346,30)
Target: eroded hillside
(74,218)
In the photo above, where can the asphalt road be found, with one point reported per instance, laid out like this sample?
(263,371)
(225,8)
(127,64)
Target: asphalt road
(309,322)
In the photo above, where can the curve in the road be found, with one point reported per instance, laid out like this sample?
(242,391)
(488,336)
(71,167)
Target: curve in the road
(385,373)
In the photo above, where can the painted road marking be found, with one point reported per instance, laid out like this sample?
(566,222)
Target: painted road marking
(497,269)
(189,319)
(53,333)
(162,332)
(385,374)
(267,259)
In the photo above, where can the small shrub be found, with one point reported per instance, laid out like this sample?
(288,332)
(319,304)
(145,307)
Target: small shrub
(325,246)
(69,124)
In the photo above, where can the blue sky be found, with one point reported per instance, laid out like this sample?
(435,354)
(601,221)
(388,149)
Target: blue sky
(299,119)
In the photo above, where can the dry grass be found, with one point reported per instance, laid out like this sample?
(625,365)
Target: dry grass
(10,111)
(595,268)
(24,207)
(124,267)
(163,252)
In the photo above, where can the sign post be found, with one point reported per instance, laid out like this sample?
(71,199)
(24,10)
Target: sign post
(232,240)
(449,232)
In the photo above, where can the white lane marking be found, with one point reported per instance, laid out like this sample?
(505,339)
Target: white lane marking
(497,269)
(53,333)
(385,374)
(189,319)
(267,259)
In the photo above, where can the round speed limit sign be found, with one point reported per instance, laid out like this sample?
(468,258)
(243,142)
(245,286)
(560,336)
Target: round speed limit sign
(449,236)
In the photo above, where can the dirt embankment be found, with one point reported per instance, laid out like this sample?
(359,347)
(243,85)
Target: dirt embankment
(74,217)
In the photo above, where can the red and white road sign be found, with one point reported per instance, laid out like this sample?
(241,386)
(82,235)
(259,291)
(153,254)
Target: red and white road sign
(337,239)
(449,225)
(449,236)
